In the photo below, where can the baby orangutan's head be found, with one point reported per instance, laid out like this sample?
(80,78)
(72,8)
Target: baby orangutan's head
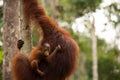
(46,49)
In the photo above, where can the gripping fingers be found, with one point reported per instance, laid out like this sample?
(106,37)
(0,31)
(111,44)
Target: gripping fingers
(20,44)
(59,47)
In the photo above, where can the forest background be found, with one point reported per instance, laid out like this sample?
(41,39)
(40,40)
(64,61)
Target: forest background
(90,22)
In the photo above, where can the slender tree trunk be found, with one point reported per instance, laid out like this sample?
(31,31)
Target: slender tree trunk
(53,9)
(25,33)
(94,52)
(10,34)
(43,3)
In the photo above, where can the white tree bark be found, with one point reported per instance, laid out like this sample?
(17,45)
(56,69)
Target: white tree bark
(94,52)
(10,34)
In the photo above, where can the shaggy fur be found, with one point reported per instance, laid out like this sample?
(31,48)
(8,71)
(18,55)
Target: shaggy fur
(62,64)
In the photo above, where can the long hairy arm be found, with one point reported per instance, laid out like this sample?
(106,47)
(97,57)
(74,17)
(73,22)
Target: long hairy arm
(32,10)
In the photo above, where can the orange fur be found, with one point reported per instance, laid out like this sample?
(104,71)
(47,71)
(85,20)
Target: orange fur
(62,64)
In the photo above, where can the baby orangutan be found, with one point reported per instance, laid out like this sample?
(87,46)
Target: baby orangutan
(43,53)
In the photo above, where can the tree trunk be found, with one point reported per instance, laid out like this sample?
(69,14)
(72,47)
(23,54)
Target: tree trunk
(10,34)
(25,30)
(43,3)
(94,52)
(53,9)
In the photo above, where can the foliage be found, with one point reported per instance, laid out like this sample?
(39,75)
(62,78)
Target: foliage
(1,12)
(113,10)
(108,67)
(1,55)
(35,39)
(77,8)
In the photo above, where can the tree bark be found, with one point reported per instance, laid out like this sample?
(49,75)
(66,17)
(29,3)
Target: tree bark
(53,9)
(43,3)
(94,51)
(10,34)
(25,30)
